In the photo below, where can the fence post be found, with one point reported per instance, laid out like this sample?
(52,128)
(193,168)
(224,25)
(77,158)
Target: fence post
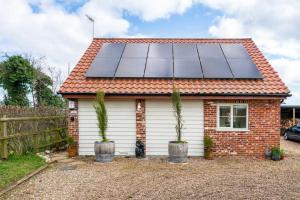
(3,133)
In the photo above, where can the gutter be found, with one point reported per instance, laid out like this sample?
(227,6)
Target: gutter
(284,95)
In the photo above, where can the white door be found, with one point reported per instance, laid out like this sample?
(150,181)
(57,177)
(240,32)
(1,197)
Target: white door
(121,126)
(160,126)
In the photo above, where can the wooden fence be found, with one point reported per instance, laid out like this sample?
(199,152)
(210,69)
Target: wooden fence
(22,134)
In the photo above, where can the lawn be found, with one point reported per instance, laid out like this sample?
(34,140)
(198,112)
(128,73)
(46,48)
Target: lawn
(17,167)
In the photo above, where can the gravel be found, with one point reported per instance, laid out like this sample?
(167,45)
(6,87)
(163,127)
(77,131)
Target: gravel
(290,146)
(129,178)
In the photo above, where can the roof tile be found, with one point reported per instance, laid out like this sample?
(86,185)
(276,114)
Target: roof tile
(78,83)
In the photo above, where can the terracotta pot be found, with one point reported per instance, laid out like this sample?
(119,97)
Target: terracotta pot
(104,151)
(72,151)
(178,152)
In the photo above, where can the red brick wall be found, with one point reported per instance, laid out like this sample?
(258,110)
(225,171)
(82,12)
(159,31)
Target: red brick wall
(73,122)
(140,121)
(264,128)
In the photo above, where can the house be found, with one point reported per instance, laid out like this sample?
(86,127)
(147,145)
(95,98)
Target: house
(229,91)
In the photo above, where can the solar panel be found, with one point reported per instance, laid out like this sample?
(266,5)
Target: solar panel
(243,68)
(110,50)
(156,68)
(187,68)
(131,67)
(210,51)
(103,67)
(215,68)
(235,51)
(185,50)
(167,60)
(157,50)
(135,50)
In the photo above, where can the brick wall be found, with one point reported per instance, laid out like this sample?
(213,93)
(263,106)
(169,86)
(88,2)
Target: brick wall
(73,122)
(140,121)
(264,128)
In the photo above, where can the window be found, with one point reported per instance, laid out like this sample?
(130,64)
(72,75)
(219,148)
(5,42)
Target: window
(233,117)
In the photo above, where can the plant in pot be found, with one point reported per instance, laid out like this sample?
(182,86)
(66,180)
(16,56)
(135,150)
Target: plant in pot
(178,149)
(104,149)
(72,147)
(275,153)
(208,144)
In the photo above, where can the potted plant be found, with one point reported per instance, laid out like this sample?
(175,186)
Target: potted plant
(177,149)
(104,149)
(275,153)
(72,147)
(208,144)
(268,153)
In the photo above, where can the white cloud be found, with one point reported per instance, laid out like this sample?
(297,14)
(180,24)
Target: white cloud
(288,69)
(274,26)
(62,36)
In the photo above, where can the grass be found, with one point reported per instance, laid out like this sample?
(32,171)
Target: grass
(17,166)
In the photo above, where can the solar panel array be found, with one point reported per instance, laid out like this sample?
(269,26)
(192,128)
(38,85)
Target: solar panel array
(178,60)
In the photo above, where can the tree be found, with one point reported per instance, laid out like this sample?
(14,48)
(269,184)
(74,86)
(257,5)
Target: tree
(43,95)
(42,84)
(101,114)
(17,75)
(177,107)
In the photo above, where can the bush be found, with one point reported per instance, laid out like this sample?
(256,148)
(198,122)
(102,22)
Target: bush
(177,107)
(275,151)
(208,142)
(101,115)
(71,141)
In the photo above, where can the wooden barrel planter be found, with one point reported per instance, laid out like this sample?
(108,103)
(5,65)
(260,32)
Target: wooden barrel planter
(178,152)
(104,151)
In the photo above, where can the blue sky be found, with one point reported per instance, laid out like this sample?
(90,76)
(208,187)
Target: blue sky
(192,24)
(60,31)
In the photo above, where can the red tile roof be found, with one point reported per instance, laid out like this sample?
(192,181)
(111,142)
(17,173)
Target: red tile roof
(271,84)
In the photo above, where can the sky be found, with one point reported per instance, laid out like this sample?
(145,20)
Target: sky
(59,30)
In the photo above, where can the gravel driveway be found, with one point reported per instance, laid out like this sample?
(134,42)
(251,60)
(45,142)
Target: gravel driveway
(290,146)
(128,178)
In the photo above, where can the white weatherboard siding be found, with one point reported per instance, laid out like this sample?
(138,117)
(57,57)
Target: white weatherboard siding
(160,126)
(121,126)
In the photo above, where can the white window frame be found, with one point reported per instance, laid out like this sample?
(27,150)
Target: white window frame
(231,117)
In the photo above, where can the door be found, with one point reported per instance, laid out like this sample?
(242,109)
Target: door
(121,126)
(160,126)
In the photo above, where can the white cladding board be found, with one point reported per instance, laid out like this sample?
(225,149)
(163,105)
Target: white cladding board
(121,126)
(160,126)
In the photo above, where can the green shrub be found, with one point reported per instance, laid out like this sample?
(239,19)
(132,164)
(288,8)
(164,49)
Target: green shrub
(101,114)
(71,141)
(275,151)
(208,142)
(177,107)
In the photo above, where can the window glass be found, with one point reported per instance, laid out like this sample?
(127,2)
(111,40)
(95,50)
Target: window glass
(224,111)
(239,116)
(239,122)
(224,122)
(225,116)
(233,116)
(239,110)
